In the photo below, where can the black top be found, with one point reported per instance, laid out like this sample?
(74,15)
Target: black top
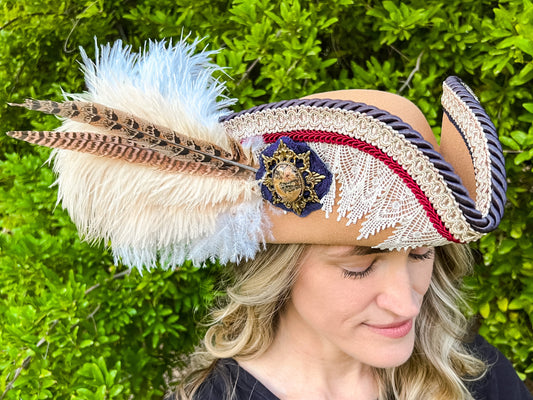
(500,382)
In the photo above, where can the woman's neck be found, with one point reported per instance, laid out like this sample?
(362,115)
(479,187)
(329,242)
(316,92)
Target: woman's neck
(297,367)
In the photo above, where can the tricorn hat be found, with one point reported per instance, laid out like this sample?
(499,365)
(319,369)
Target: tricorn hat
(151,161)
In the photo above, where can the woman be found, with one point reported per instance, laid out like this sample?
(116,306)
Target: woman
(344,207)
(314,322)
(362,310)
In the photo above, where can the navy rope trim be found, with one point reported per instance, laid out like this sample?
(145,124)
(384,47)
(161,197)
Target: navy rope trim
(498,175)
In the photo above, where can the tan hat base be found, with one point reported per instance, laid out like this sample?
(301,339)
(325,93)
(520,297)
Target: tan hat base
(316,228)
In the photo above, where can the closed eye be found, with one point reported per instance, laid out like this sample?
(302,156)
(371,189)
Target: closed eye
(357,274)
(422,256)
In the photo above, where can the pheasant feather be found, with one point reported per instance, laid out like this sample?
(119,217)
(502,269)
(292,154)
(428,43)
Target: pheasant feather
(194,156)
(114,147)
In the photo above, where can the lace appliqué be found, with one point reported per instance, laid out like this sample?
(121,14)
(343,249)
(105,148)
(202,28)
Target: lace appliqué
(475,139)
(368,189)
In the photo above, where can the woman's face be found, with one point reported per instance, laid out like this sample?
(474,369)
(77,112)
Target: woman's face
(359,302)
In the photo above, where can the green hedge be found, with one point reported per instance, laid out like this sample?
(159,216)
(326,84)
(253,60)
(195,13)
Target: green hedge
(76,326)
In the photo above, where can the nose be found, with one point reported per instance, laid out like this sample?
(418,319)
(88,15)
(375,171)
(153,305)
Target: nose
(397,293)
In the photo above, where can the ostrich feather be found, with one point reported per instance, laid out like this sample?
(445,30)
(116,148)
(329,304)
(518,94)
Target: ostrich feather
(168,85)
(150,215)
(153,216)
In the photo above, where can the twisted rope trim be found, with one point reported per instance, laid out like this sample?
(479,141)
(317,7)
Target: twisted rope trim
(475,112)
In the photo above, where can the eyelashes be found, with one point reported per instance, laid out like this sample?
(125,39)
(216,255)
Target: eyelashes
(357,274)
(425,256)
(346,273)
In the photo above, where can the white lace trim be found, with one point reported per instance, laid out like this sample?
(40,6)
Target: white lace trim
(369,189)
(372,131)
(476,139)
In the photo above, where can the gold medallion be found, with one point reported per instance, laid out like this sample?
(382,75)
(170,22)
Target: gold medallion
(290,184)
(288,181)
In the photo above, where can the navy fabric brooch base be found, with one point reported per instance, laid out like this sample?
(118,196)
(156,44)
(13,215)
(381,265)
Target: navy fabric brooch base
(293,177)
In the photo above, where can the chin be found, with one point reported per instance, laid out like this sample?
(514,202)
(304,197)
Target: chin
(392,354)
(392,360)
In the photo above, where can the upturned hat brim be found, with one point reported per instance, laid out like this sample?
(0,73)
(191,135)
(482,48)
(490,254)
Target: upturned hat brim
(428,195)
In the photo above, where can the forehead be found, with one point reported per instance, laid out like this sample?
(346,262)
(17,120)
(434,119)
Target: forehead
(337,253)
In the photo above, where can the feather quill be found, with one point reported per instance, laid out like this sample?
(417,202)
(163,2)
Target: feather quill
(176,151)
(114,147)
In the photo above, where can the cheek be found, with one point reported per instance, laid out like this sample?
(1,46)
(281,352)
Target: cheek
(325,295)
(422,278)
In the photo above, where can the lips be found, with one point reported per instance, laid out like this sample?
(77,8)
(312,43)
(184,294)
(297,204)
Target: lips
(395,330)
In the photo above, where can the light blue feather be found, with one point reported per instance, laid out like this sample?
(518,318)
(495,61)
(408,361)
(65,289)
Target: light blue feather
(176,71)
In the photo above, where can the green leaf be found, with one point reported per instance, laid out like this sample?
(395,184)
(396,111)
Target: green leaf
(86,343)
(515,304)
(523,156)
(509,142)
(506,246)
(116,390)
(525,44)
(484,310)
(528,107)
(519,137)
(503,304)
(524,76)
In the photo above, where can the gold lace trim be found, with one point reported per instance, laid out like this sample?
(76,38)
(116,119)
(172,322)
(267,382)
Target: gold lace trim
(476,139)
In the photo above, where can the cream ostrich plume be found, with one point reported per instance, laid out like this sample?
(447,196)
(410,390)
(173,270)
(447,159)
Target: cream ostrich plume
(153,172)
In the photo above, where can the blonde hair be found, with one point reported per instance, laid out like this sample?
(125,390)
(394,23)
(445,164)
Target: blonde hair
(245,326)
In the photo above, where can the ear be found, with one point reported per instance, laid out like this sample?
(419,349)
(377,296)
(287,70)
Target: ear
(469,142)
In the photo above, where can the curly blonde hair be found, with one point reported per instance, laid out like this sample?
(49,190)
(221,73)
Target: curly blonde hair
(244,326)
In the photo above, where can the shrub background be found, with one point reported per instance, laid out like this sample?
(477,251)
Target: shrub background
(75,326)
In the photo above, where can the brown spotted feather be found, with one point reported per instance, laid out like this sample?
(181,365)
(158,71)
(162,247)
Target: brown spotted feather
(140,133)
(116,147)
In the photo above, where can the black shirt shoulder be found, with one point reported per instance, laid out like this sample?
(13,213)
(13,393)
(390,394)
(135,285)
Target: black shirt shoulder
(228,378)
(501,381)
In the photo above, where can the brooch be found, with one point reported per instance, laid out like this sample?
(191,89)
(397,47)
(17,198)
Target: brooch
(293,177)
